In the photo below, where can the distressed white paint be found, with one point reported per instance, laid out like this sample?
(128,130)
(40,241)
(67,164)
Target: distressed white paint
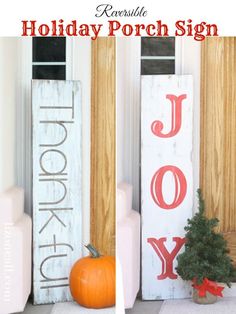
(56,101)
(128,88)
(81,70)
(158,152)
(188,61)
(78,67)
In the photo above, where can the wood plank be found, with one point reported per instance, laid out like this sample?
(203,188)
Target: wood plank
(103,139)
(230,237)
(218,130)
(56,108)
(167,200)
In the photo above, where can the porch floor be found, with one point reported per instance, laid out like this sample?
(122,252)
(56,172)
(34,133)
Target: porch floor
(154,307)
(147,307)
(140,307)
(37,309)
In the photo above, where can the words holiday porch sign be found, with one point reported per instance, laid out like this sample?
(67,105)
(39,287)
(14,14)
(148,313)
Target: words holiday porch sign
(56,114)
(167,181)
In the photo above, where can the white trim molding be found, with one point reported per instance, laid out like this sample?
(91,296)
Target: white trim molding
(23,120)
(128,113)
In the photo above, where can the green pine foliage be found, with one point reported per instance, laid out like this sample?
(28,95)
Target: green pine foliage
(205,250)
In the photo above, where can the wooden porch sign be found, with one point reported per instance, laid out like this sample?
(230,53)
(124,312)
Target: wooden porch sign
(167,181)
(56,114)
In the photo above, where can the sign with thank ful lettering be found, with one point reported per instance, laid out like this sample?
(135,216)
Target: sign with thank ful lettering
(167,181)
(56,119)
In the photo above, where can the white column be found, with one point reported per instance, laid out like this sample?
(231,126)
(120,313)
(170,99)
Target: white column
(128,113)
(15,226)
(8,57)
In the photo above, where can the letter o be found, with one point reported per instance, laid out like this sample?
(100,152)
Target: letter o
(127,30)
(43,29)
(180,187)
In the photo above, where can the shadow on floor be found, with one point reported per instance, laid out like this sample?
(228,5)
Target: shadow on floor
(145,307)
(37,309)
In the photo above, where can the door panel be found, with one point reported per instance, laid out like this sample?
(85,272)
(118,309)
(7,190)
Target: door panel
(218,134)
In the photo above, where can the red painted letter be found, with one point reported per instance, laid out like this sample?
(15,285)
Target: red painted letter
(166,257)
(176,117)
(30,27)
(180,187)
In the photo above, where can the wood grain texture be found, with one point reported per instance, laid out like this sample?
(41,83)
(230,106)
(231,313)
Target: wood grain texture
(218,132)
(231,240)
(103,139)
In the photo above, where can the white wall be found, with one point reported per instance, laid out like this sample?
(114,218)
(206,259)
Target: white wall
(120,109)
(128,107)
(128,113)
(8,60)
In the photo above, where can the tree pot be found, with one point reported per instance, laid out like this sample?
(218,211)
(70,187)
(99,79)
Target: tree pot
(208,299)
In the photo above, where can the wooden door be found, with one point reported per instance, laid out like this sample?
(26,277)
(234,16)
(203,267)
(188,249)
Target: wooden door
(218,134)
(103,137)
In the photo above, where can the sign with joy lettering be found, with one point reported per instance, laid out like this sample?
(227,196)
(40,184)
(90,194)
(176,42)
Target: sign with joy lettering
(56,114)
(167,182)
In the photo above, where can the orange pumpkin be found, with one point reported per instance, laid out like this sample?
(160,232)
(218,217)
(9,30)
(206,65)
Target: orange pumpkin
(92,280)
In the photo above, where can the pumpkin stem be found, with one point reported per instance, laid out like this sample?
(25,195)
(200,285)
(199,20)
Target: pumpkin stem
(93,251)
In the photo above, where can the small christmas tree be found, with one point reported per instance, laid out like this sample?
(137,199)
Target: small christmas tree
(205,253)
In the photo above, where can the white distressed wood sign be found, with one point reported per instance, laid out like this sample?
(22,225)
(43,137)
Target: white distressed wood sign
(167,181)
(56,119)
